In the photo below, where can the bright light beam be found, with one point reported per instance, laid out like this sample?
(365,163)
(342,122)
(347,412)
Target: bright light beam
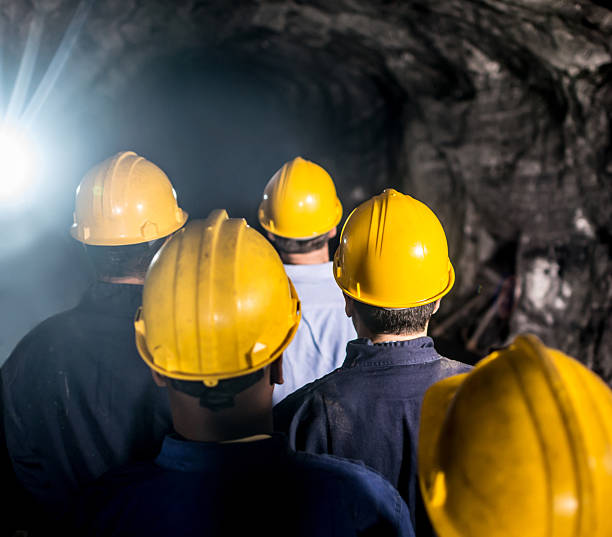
(18,159)
(59,60)
(1,72)
(26,69)
(17,162)
(17,156)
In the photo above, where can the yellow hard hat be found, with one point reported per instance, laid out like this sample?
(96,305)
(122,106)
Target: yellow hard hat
(216,303)
(300,201)
(519,447)
(125,200)
(393,253)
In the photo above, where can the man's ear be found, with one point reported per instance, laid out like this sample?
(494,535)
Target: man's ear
(159,379)
(270,236)
(332,233)
(437,306)
(348,305)
(276,371)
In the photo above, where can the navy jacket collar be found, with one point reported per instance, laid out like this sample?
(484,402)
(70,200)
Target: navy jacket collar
(117,299)
(362,352)
(188,456)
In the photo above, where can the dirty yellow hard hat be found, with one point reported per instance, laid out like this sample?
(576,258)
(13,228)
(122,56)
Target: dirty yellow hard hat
(300,201)
(216,303)
(393,253)
(519,447)
(125,200)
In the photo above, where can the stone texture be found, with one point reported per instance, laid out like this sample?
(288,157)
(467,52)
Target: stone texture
(495,112)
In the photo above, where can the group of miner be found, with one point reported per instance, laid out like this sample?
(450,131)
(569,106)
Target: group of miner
(216,381)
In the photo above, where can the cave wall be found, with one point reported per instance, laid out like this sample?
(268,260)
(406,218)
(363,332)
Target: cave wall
(496,113)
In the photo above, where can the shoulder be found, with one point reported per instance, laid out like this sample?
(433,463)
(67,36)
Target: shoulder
(50,327)
(453,367)
(140,479)
(102,499)
(41,342)
(318,295)
(316,285)
(442,368)
(132,474)
(349,471)
(313,392)
(305,415)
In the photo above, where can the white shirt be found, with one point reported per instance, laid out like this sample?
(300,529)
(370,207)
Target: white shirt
(319,346)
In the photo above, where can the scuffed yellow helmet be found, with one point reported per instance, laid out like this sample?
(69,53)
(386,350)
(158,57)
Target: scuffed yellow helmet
(125,200)
(519,447)
(393,253)
(216,303)
(300,201)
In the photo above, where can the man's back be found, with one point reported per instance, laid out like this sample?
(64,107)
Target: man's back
(258,486)
(369,409)
(319,345)
(77,398)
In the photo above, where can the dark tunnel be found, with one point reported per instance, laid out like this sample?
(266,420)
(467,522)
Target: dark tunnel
(496,114)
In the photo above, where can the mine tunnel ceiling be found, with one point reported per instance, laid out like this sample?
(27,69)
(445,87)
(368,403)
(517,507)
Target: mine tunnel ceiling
(495,113)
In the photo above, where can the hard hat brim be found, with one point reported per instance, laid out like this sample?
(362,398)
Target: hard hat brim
(436,402)
(535,367)
(393,304)
(313,235)
(126,241)
(212,379)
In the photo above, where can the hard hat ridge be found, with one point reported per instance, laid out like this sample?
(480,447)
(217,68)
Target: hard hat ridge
(531,430)
(393,253)
(300,201)
(217,303)
(124,200)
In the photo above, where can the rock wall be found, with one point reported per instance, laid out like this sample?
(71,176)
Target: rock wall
(496,113)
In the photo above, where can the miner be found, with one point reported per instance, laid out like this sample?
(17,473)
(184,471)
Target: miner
(77,399)
(521,445)
(393,267)
(300,212)
(218,311)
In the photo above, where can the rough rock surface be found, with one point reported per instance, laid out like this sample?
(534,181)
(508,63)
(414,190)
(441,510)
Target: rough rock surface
(497,113)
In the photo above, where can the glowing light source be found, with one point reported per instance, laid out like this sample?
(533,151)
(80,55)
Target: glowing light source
(17,162)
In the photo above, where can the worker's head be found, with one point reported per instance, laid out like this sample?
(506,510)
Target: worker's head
(519,447)
(125,208)
(300,209)
(392,264)
(218,310)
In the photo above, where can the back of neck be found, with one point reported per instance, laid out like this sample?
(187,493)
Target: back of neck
(125,280)
(382,338)
(363,332)
(316,257)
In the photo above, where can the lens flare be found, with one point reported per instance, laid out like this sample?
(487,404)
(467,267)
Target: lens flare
(17,163)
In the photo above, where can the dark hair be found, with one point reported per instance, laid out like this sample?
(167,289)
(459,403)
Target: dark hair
(300,246)
(220,396)
(384,321)
(123,261)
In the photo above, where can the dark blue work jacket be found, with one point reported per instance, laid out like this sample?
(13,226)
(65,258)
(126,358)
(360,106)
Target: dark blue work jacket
(260,487)
(369,410)
(78,399)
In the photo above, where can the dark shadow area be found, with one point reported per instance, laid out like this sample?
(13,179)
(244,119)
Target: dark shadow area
(219,126)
